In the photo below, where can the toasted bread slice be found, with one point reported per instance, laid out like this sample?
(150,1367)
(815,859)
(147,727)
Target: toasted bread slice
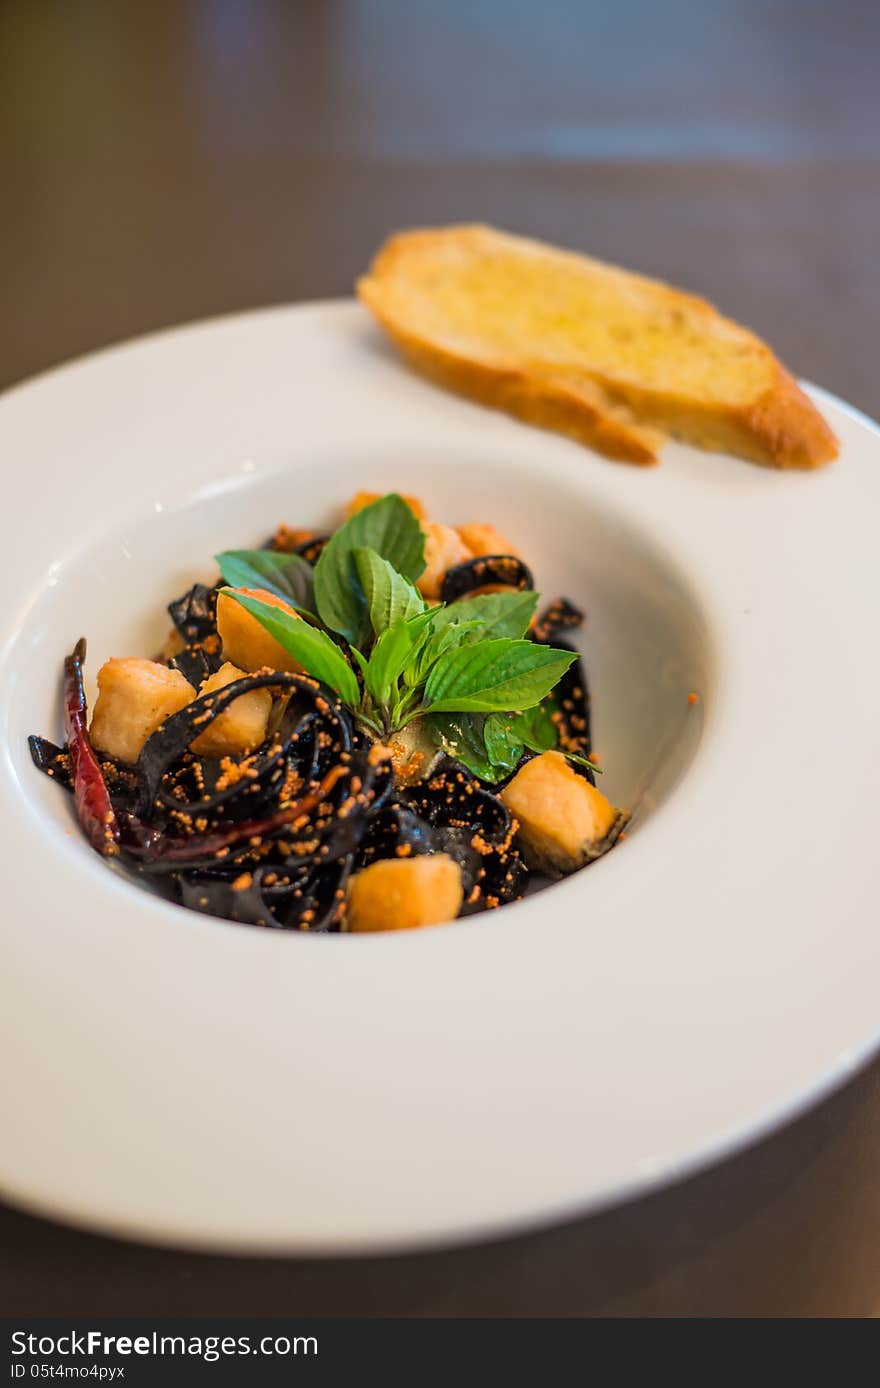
(610,358)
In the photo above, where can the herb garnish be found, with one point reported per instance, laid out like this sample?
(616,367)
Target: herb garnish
(467,665)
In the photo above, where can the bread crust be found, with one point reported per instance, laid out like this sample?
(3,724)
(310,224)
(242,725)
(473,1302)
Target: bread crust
(620,417)
(781,428)
(549,404)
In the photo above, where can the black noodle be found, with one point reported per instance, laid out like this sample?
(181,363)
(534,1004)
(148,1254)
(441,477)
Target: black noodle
(55,762)
(572,700)
(50,758)
(491,869)
(195,620)
(473,825)
(488,569)
(313,727)
(557,617)
(311,550)
(195,614)
(195,663)
(571,697)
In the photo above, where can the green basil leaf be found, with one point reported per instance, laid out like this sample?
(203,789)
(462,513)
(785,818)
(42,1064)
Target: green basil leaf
(461,737)
(389,527)
(537,731)
(390,597)
(314,650)
(361,661)
(286,575)
(403,707)
(535,728)
(503,747)
(499,614)
(495,676)
(436,644)
(392,652)
(483,743)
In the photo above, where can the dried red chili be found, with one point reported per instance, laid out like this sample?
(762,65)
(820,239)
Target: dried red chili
(93,807)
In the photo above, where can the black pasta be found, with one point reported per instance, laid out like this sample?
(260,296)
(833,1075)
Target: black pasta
(504,570)
(557,617)
(322,727)
(311,550)
(195,613)
(271,837)
(469,819)
(571,699)
(195,663)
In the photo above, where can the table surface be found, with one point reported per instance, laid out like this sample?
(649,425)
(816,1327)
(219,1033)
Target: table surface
(167,161)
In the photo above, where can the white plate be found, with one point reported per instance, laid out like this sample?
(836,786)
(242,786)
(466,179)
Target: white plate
(179,1079)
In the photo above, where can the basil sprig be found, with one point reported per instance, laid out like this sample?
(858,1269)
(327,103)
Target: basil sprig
(390,597)
(388,528)
(389,701)
(467,664)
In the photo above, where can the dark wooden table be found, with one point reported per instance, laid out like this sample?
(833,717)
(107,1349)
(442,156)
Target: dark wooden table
(168,160)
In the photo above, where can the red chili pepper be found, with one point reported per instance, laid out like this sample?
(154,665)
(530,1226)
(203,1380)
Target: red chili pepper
(90,791)
(196,847)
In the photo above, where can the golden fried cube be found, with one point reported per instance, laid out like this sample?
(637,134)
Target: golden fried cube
(563,820)
(403,893)
(134,697)
(246,643)
(241,726)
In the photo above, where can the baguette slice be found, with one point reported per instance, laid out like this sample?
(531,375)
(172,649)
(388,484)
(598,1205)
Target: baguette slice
(610,358)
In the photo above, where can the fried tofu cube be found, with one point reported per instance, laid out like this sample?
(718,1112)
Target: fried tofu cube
(245,642)
(288,538)
(564,822)
(134,697)
(171,646)
(241,726)
(404,893)
(485,539)
(444,548)
(362,499)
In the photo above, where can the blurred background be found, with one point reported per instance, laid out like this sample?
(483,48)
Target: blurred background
(164,160)
(171,159)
